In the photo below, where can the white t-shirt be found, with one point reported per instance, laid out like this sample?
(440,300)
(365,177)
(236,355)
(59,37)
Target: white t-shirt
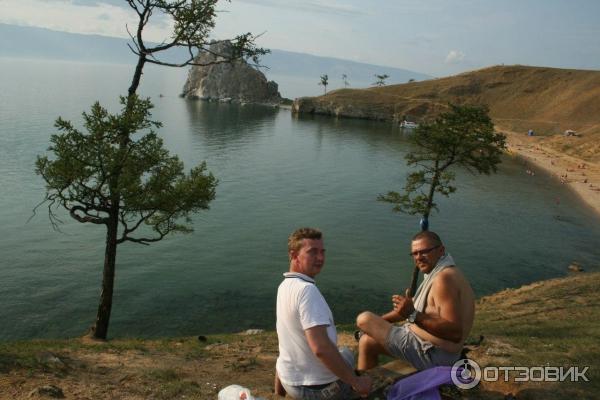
(301,306)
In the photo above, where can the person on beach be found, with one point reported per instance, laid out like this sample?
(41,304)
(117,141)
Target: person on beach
(438,319)
(309,365)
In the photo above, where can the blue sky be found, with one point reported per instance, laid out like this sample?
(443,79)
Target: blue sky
(437,37)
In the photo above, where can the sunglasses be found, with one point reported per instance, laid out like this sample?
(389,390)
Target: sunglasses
(423,252)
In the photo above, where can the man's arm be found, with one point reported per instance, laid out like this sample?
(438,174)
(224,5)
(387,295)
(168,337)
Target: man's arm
(279,389)
(447,322)
(393,316)
(324,349)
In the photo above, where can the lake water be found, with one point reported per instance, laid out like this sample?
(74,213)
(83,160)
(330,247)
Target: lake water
(277,172)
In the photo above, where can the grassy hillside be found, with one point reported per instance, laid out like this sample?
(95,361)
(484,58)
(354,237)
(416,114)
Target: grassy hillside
(548,100)
(549,323)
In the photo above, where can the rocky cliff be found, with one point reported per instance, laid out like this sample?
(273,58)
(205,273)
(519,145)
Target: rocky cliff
(237,81)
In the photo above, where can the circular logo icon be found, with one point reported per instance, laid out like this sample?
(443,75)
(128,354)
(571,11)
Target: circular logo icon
(466,374)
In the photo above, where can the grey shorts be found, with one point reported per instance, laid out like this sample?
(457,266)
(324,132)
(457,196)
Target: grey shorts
(403,343)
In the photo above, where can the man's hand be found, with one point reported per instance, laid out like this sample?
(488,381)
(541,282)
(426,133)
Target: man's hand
(362,385)
(403,305)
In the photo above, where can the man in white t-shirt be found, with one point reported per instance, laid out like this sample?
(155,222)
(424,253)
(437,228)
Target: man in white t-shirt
(309,363)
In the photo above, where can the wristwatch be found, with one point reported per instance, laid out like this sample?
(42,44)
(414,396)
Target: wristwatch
(413,316)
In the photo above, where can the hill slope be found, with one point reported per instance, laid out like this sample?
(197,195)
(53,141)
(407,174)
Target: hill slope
(548,100)
(546,323)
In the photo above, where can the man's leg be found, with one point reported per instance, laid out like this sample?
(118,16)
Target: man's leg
(372,343)
(368,353)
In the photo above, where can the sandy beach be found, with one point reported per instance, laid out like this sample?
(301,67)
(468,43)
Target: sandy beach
(581,176)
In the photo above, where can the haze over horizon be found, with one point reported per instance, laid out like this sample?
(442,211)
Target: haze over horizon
(436,37)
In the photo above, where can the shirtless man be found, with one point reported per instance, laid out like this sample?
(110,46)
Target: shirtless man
(439,318)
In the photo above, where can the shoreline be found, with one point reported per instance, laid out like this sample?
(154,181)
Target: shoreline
(582,177)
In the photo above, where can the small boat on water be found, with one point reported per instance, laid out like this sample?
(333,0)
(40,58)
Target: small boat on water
(408,125)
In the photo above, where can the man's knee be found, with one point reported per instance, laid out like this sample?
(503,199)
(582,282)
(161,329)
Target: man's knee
(363,319)
(366,343)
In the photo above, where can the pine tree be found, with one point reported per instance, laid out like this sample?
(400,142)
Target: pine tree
(463,136)
(117,173)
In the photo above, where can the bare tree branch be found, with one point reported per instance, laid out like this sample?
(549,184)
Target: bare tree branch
(87,218)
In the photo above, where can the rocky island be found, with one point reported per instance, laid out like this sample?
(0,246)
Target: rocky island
(237,82)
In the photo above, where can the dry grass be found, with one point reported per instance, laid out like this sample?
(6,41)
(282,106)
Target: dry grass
(547,323)
(548,100)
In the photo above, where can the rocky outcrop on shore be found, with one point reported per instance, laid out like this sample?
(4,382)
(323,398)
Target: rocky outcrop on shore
(228,82)
(367,104)
(322,106)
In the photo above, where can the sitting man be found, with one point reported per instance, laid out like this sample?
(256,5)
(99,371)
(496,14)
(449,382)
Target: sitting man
(439,318)
(309,365)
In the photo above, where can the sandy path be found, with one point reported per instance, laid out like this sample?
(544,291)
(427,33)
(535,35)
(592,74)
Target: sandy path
(581,176)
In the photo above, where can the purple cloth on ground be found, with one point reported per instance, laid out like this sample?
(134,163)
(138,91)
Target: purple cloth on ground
(422,385)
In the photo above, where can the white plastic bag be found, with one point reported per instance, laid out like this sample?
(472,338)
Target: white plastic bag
(235,392)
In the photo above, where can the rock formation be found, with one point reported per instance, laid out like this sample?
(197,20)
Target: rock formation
(237,81)
(348,109)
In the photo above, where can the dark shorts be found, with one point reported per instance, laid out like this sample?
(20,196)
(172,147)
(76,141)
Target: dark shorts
(337,390)
(403,343)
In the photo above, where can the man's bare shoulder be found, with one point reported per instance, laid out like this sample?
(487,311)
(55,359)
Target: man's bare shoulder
(451,280)
(448,276)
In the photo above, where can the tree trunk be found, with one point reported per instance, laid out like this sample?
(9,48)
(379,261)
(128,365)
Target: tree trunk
(137,75)
(413,282)
(100,328)
(424,227)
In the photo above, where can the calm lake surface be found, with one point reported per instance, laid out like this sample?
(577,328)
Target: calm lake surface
(276,172)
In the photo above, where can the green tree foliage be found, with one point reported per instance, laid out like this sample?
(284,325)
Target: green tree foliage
(154,190)
(380,80)
(464,136)
(117,173)
(324,82)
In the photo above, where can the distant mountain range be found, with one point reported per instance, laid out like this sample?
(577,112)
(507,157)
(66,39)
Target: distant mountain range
(282,62)
(35,43)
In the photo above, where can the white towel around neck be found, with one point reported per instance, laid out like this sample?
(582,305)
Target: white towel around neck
(420,298)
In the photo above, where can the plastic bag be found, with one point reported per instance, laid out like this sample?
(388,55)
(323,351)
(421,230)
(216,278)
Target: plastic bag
(235,392)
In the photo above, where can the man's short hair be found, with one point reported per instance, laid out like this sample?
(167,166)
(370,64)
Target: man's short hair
(295,239)
(429,235)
